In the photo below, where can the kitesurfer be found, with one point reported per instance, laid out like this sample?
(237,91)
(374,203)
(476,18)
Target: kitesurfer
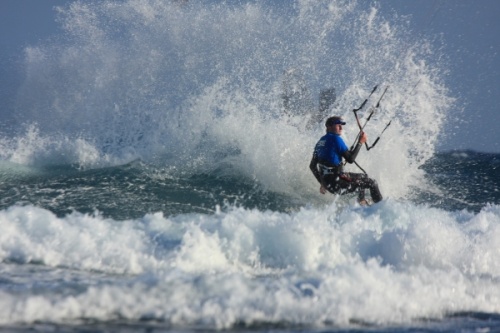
(327,164)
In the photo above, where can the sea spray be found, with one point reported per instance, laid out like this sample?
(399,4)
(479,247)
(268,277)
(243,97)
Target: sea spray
(197,86)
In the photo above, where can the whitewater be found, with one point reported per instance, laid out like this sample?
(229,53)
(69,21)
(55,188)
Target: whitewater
(154,175)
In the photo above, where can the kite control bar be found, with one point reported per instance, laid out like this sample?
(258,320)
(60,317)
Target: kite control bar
(361,128)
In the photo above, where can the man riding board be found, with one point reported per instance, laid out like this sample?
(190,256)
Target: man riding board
(327,164)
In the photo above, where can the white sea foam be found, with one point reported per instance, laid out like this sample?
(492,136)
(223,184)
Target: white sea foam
(390,263)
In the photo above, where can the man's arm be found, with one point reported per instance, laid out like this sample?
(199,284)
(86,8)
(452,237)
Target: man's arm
(350,155)
(314,168)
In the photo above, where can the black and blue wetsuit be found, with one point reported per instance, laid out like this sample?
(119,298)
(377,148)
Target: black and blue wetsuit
(327,167)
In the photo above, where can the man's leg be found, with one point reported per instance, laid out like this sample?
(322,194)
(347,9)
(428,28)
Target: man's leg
(358,181)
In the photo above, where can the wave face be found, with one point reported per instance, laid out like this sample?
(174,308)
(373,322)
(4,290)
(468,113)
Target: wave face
(156,176)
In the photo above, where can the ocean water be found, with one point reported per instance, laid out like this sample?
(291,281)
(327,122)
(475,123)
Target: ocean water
(154,177)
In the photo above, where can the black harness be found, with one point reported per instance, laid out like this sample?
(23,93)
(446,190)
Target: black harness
(329,169)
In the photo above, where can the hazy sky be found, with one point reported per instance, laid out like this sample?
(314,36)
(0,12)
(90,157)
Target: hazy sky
(469,30)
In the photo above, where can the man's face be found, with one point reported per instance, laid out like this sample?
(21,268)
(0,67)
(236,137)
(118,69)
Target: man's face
(335,128)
